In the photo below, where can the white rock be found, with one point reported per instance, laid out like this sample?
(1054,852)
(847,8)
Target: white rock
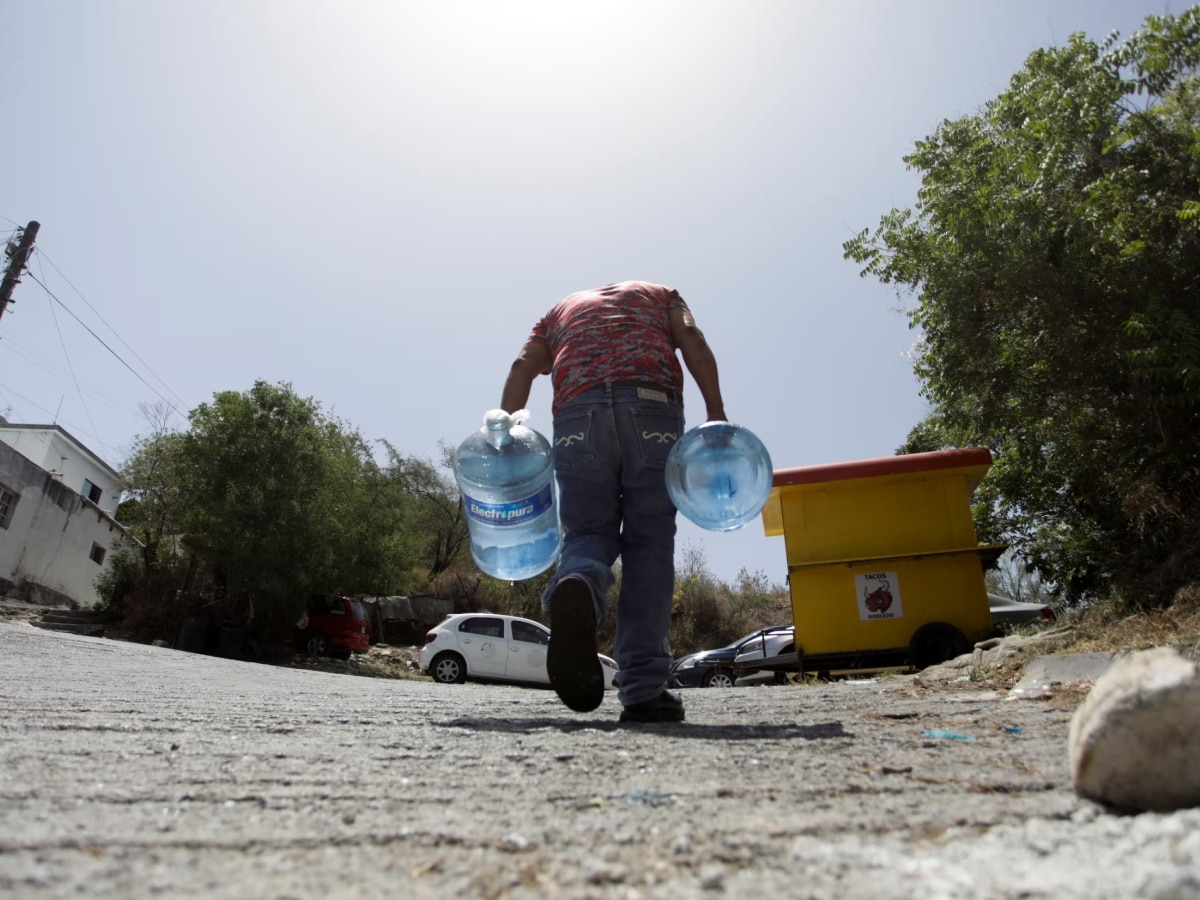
(1135,740)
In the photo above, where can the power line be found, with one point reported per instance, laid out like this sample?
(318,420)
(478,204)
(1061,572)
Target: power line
(125,412)
(29,353)
(74,378)
(108,348)
(75,429)
(40,252)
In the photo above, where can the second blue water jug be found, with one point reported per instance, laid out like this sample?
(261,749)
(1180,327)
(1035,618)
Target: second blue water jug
(719,476)
(505,473)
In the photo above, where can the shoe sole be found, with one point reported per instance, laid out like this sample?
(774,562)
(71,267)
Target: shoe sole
(571,660)
(658,715)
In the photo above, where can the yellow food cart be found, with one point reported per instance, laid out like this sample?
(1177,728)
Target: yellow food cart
(884,567)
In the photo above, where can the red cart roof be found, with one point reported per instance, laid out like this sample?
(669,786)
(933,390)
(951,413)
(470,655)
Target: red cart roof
(904,464)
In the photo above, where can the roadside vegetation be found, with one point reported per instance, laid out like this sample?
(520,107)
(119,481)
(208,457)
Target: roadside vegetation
(1112,627)
(265,500)
(1050,270)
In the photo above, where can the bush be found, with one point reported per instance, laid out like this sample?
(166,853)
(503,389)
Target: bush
(708,613)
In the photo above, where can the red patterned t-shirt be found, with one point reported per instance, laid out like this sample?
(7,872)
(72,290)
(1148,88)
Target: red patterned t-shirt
(619,333)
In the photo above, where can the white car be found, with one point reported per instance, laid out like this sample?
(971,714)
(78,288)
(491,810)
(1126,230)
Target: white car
(491,647)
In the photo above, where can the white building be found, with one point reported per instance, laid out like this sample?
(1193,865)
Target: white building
(57,501)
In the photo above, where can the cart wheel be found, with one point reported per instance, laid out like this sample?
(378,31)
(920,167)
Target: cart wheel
(936,643)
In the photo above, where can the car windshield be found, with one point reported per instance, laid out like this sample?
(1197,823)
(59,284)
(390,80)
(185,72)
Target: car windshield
(753,636)
(757,636)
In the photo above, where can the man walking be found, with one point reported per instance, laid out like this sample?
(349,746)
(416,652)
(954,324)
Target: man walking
(618,410)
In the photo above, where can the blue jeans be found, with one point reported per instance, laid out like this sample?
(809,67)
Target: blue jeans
(610,450)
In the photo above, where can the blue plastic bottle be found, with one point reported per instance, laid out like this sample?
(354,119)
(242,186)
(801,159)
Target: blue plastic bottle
(719,475)
(505,473)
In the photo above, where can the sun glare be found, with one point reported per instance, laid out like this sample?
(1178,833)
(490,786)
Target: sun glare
(440,83)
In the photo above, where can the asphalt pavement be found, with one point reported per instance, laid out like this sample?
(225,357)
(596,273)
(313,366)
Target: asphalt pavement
(137,771)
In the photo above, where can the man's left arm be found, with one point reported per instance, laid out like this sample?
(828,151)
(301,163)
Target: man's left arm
(700,362)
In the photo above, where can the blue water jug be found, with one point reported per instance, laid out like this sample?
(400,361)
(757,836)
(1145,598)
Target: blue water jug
(505,473)
(719,475)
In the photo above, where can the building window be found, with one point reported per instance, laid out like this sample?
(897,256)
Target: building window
(91,491)
(8,502)
(97,554)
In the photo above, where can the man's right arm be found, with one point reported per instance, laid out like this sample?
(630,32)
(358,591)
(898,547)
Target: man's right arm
(700,362)
(532,361)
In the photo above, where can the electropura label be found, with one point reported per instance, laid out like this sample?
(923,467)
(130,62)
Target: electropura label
(510,513)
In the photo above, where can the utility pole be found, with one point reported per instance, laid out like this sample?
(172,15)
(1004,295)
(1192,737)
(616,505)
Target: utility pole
(16,263)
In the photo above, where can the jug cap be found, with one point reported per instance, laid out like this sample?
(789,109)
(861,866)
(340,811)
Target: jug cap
(498,423)
(499,418)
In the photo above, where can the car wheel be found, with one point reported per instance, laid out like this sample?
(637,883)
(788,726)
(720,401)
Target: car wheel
(936,643)
(718,678)
(317,645)
(448,668)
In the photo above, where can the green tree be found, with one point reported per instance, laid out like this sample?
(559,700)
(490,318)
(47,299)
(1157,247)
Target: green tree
(152,504)
(279,499)
(265,500)
(1054,255)
(150,566)
(435,525)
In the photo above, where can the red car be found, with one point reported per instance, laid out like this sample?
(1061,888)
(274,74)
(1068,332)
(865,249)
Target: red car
(334,626)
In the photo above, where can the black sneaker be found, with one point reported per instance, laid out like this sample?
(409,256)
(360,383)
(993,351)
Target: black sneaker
(571,661)
(666,707)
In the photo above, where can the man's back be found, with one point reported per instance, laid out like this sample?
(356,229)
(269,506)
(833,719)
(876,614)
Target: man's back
(618,333)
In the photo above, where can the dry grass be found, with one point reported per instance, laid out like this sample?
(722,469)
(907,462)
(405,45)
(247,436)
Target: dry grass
(1105,627)
(381,661)
(1108,627)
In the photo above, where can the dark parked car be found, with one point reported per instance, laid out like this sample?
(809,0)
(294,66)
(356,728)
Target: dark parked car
(333,626)
(714,668)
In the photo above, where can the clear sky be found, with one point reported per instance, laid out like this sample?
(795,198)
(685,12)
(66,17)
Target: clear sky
(375,199)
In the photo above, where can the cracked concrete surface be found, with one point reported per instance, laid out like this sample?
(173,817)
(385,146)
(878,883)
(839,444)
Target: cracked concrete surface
(135,771)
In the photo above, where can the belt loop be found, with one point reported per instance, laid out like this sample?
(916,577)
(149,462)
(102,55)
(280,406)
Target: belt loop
(608,386)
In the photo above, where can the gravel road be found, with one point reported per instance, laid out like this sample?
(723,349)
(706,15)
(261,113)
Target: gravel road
(135,771)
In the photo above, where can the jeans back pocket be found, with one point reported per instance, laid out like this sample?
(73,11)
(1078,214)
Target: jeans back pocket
(573,445)
(657,428)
